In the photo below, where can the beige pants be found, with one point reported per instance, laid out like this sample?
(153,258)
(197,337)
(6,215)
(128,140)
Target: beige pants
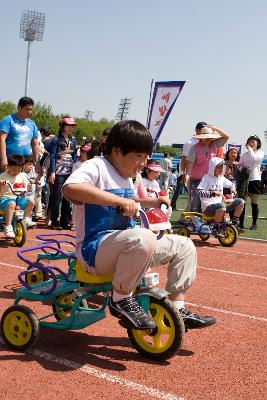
(127,255)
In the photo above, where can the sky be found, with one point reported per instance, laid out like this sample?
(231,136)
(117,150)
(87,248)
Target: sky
(94,53)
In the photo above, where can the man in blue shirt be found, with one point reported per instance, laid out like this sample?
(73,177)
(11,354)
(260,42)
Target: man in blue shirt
(18,133)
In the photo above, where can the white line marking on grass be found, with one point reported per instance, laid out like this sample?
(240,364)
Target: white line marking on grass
(85,369)
(236,314)
(234,273)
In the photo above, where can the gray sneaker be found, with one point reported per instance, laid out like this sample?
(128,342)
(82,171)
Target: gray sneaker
(195,321)
(129,311)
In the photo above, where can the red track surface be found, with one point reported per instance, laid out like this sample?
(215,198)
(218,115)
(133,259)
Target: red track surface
(225,361)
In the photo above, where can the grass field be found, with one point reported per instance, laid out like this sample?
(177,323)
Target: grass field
(260,233)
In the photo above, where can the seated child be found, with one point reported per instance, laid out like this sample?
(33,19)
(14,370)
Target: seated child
(210,191)
(110,243)
(14,174)
(34,185)
(228,173)
(150,174)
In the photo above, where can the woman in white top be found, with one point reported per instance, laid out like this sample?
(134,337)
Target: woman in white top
(253,160)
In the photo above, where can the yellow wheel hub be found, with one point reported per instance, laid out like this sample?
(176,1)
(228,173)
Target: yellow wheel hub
(19,233)
(164,337)
(67,302)
(183,232)
(17,328)
(230,235)
(32,278)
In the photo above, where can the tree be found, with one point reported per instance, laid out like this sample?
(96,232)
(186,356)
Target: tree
(6,108)
(44,117)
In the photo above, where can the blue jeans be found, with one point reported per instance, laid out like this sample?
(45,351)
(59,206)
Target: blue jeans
(56,199)
(177,191)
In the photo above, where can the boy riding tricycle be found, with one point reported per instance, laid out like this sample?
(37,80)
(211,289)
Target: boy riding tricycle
(109,245)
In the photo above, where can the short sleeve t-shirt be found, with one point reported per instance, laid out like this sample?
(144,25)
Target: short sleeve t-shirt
(5,189)
(187,146)
(19,134)
(152,186)
(94,222)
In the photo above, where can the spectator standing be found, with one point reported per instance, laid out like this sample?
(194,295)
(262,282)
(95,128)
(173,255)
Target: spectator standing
(18,133)
(240,175)
(210,139)
(182,167)
(264,179)
(252,159)
(62,158)
(166,165)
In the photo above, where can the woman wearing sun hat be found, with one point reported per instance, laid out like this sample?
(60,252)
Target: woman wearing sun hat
(252,159)
(210,139)
(62,157)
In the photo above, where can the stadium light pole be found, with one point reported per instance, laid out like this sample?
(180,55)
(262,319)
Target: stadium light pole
(32,26)
(123,109)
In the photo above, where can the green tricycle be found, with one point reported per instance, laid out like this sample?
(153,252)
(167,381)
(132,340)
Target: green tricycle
(69,294)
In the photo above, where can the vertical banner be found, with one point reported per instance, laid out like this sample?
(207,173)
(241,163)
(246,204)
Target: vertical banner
(164,97)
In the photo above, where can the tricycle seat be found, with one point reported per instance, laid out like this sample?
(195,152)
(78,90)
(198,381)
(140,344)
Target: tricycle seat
(83,276)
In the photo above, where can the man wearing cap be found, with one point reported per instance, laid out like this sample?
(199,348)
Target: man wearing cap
(210,139)
(18,133)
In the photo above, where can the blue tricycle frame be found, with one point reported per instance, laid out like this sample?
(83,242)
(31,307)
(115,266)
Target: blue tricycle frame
(194,223)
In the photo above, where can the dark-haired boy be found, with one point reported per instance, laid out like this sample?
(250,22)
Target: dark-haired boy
(110,244)
(14,175)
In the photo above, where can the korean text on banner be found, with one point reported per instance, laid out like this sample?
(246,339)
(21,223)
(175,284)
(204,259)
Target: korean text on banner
(164,97)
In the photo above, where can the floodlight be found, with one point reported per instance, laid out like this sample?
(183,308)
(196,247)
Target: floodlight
(32,26)
(123,109)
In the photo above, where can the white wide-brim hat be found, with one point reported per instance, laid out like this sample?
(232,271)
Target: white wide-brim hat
(207,133)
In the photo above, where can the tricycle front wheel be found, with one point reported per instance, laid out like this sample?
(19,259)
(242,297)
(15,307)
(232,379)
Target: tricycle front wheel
(20,327)
(167,338)
(20,230)
(230,235)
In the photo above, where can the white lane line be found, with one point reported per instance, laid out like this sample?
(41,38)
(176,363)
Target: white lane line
(234,251)
(12,265)
(234,273)
(192,304)
(210,269)
(236,314)
(85,369)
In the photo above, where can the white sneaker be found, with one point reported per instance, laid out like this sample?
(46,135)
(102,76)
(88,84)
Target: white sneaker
(29,222)
(9,232)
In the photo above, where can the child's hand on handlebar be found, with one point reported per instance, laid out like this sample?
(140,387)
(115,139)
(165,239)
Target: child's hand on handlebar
(130,207)
(2,182)
(164,200)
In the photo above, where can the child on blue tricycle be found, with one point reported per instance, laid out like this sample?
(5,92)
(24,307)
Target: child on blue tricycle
(14,205)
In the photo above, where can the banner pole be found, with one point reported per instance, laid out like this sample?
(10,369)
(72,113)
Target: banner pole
(149,102)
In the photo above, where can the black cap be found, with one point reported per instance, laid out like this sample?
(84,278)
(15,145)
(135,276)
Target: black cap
(200,125)
(44,130)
